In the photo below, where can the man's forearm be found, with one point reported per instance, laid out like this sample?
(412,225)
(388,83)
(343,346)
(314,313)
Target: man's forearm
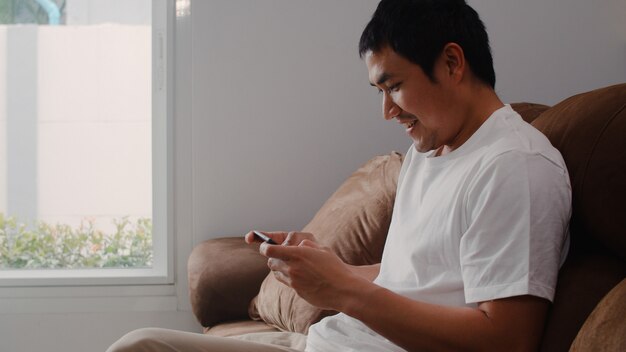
(512,324)
(370,272)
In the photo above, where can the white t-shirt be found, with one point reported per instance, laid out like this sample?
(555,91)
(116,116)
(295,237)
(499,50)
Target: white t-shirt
(486,221)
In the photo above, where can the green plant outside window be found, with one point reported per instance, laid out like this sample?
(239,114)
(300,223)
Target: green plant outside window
(63,247)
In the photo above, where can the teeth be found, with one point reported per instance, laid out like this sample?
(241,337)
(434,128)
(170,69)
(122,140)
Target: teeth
(411,124)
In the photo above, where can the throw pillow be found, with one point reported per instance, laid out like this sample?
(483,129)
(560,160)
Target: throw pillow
(353,222)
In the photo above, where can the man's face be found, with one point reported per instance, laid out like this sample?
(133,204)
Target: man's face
(423,107)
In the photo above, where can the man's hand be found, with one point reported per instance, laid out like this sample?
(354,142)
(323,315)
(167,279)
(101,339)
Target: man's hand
(317,274)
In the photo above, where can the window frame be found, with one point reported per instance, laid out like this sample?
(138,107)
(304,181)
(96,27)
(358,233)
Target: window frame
(29,283)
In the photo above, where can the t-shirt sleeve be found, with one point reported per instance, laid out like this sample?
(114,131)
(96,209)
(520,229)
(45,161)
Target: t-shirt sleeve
(518,209)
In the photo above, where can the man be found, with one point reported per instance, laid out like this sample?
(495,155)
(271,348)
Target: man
(479,226)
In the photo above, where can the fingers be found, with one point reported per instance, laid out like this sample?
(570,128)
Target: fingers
(310,244)
(249,237)
(280,252)
(295,238)
(315,245)
(291,238)
(276,264)
(278,236)
(289,253)
(282,278)
(280,269)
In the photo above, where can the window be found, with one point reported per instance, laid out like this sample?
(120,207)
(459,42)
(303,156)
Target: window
(84,142)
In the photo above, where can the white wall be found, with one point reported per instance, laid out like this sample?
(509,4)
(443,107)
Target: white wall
(546,51)
(283,112)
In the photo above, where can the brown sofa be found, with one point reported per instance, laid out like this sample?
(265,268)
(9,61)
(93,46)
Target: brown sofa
(232,293)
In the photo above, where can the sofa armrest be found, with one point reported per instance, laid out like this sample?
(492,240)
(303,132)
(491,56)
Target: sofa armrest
(224,275)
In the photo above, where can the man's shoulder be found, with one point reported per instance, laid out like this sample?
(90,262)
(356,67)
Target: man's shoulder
(514,138)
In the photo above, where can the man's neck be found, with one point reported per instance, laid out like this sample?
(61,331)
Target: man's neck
(478,105)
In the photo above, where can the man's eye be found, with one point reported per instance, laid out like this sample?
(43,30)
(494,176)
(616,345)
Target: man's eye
(394,87)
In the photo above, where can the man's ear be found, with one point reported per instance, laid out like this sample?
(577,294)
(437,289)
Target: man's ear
(454,60)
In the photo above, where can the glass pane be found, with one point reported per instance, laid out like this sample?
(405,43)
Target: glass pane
(75,134)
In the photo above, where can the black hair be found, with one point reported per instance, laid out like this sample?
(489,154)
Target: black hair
(419,29)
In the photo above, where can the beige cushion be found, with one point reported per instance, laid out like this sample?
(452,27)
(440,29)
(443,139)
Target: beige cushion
(605,329)
(353,223)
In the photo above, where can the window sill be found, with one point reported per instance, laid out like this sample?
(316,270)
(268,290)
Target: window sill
(85,299)
(83,277)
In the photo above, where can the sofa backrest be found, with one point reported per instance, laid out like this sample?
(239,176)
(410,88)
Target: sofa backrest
(590,131)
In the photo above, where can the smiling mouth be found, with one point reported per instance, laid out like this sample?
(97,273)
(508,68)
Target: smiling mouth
(411,124)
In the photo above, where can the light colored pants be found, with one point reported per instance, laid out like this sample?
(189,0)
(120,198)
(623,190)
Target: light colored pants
(164,340)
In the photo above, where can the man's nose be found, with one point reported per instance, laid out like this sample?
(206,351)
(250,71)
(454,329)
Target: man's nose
(390,109)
